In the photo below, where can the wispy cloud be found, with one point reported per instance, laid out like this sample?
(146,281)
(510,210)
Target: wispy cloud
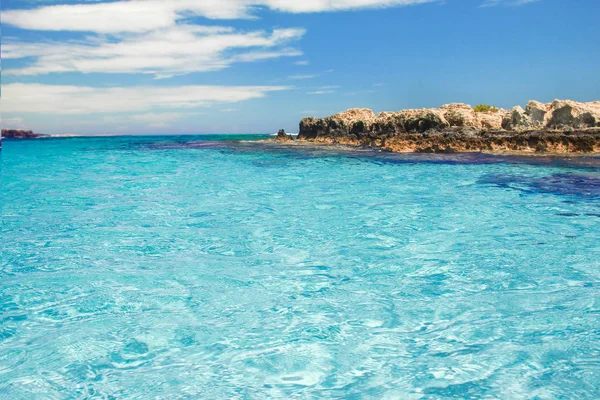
(158,36)
(493,3)
(359,92)
(147,15)
(164,52)
(51,99)
(324,90)
(299,77)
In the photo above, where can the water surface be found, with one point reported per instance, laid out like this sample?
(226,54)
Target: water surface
(204,267)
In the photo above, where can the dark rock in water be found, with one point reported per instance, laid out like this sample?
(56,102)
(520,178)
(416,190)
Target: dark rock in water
(19,134)
(283,137)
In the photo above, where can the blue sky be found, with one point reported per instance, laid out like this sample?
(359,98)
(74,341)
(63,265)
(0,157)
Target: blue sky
(243,66)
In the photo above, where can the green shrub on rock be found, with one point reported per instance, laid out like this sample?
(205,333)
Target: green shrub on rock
(481,108)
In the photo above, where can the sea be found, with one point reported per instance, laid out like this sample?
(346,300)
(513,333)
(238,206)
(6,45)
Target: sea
(227,267)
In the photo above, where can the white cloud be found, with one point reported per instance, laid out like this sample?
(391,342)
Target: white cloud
(13,123)
(359,92)
(50,99)
(158,36)
(492,3)
(147,15)
(299,77)
(163,52)
(322,92)
(302,63)
(325,90)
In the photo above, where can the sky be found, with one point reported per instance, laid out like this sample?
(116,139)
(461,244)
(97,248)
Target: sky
(255,66)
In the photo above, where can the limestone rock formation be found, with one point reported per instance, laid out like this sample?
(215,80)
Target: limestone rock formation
(567,113)
(283,137)
(355,114)
(421,120)
(560,126)
(537,112)
(490,121)
(461,115)
(464,116)
(498,142)
(516,120)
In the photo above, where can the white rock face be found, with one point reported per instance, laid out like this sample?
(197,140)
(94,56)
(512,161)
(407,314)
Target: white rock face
(516,119)
(461,115)
(558,115)
(491,121)
(355,114)
(567,113)
(537,112)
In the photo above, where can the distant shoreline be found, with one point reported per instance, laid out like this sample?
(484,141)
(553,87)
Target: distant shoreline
(76,135)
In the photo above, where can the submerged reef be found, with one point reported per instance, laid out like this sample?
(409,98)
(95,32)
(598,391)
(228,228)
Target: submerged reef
(560,127)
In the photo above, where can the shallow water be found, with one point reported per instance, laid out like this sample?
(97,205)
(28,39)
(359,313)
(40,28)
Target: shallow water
(196,267)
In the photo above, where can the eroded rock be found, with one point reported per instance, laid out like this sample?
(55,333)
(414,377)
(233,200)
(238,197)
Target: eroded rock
(460,115)
(537,113)
(490,121)
(420,120)
(560,126)
(283,137)
(516,120)
(571,114)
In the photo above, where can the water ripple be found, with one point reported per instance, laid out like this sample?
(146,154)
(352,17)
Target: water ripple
(200,268)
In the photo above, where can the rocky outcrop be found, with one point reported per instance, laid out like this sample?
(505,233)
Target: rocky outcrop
(558,115)
(421,120)
(570,114)
(461,115)
(283,137)
(496,142)
(490,121)
(537,112)
(19,134)
(562,126)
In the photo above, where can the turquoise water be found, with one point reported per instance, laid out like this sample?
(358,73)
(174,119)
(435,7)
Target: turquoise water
(184,268)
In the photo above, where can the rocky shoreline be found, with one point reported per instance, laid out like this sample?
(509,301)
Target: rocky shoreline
(560,127)
(20,134)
